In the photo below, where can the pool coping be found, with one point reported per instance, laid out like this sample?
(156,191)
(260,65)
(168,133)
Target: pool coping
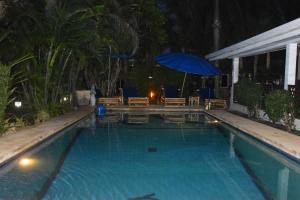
(281,141)
(11,147)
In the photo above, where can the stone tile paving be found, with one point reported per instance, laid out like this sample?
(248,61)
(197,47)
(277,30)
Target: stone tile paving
(286,142)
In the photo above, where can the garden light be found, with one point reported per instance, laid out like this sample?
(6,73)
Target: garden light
(18,104)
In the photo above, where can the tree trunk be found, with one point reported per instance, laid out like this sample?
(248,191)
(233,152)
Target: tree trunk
(241,63)
(61,74)
(268,62)
(50,4)
(217,28)
(255,67)
(2,9)
(109,73)
(114,78)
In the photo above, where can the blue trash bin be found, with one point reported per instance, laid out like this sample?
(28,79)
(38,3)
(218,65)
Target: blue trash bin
(100,110)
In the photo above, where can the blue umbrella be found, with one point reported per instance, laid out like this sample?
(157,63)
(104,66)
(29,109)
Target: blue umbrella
(187,63)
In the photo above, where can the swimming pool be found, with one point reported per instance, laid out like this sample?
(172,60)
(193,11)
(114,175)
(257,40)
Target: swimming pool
(151,156)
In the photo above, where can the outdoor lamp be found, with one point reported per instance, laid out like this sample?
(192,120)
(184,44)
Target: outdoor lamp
(131,62)
(65,99)
(150,77)
(18,104)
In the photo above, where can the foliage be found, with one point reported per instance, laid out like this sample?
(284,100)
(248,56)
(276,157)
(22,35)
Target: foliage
(17,122)
(249,94)
(73,44)
(56,109)
(6,89)
(280,105)
(42,116)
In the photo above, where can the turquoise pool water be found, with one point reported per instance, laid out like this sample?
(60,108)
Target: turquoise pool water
(148,157)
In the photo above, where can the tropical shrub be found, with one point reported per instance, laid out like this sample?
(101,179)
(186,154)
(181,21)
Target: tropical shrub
(56,109)
(42,116)
(4,92)
(6,89)
(16,122)
(280,106)
(249,94)
(75,43)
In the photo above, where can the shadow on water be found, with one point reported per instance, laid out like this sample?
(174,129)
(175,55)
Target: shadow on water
(146,197)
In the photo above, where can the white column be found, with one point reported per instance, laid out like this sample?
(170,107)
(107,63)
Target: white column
(235,77)
(298,73)
(290,65)
(283,184)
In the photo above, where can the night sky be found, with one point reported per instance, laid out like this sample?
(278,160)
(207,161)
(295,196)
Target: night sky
(190,21)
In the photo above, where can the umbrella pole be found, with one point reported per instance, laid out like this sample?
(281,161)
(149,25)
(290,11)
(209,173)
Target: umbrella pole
(183,84)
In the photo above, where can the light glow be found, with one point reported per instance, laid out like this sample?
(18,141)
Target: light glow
(26,162)
(18,104)
(152,94)
(150,77)
(65,99)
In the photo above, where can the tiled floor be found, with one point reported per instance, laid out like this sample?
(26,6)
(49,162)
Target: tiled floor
(280,139)
(13,144)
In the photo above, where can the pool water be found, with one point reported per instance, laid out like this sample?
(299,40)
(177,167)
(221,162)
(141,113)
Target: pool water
(148,157)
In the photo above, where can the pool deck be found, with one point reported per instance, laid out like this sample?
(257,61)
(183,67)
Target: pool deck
(14,144)
(282,140)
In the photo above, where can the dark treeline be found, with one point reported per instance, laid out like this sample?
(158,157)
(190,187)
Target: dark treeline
(191,21)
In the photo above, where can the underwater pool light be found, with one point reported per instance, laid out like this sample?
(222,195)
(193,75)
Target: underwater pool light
(26,162)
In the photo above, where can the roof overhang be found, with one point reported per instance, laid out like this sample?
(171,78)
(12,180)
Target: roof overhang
(269,41)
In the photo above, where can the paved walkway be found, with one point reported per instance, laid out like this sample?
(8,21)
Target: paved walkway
(14,144)
(282,140)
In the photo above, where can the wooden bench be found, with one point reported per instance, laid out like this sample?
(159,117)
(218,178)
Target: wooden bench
(109,101)
(174,102)
(215,103)
(138,101)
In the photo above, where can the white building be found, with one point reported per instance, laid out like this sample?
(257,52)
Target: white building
(286,36)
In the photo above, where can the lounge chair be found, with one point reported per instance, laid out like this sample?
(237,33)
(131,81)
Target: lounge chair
(109,101)
(170,97)
(215,103)
(131,95)
(210,101)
